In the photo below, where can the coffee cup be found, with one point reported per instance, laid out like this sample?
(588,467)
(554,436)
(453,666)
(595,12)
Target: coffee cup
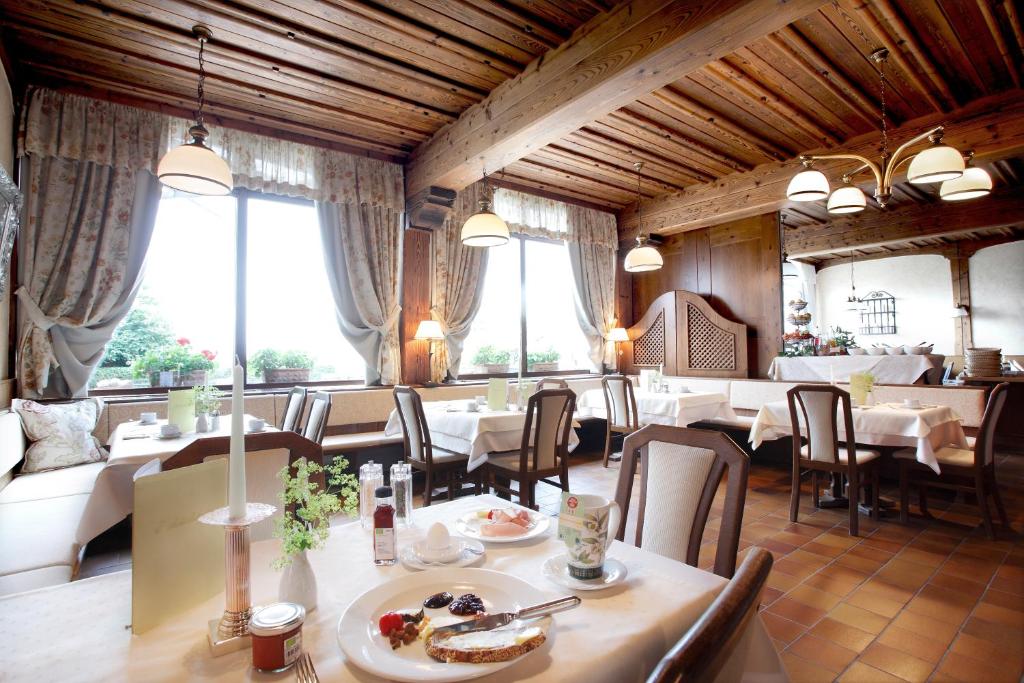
(257,425)
(481,401)
(472,407)
(147,418)
(169,430)
(911,403)
(596,522)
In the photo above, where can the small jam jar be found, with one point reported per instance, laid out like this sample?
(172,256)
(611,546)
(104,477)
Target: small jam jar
(276,636)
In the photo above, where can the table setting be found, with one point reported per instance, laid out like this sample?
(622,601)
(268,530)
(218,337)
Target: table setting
(678,408)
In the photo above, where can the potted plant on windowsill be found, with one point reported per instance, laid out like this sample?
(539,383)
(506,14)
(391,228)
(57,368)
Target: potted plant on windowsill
(542,361)
(174,365)
(282,367)
(492,360)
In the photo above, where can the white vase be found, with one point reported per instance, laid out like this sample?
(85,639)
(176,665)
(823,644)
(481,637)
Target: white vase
(202,425)
(298,583)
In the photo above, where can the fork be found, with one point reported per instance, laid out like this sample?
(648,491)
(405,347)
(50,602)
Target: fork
(304,670)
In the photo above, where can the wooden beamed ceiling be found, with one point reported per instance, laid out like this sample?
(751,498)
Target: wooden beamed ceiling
(557,90)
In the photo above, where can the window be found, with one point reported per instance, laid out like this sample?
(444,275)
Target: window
(181,329)
(528,295)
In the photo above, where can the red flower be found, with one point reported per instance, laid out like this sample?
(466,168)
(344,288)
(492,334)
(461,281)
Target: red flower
(183,341)
(208,355)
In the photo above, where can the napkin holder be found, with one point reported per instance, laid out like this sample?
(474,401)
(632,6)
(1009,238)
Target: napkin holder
(231,632)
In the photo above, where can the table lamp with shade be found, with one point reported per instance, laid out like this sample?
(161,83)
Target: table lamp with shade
(429,331)
(616,335)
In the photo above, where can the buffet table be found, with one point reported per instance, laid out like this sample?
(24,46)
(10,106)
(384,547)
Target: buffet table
(78,631)
(902,369)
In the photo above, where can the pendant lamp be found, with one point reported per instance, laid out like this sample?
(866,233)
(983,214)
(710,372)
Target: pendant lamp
(485,228)
(643,257)
(975,182)
(194,167)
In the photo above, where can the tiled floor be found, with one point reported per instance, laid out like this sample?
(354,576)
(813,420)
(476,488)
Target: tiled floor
(934,600)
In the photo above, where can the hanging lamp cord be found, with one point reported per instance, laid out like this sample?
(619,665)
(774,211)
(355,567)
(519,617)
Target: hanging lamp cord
(885,125)
(200,91)
(639,210)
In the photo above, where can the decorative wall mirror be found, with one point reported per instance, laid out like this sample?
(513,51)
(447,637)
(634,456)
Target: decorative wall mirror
(10,216)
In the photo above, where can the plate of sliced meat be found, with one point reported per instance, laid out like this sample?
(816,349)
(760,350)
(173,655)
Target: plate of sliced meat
(502,525)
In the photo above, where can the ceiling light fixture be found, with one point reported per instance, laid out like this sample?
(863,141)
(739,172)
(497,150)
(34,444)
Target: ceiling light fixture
(643,257)
(194,167)
(485,228)
(938,163)
(975,182)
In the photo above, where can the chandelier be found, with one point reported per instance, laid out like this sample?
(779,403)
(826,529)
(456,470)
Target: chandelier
(643,257)
(194,167)
(937,163)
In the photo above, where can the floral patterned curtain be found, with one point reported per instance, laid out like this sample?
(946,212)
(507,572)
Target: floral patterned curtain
(592,259)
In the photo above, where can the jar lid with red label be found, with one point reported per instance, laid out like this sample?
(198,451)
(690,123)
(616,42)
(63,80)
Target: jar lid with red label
(276,619)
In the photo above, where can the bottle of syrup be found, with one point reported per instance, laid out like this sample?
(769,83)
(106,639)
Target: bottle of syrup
(385,550)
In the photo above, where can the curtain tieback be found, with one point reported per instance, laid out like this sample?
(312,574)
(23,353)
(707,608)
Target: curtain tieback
(35,313)
(390,322)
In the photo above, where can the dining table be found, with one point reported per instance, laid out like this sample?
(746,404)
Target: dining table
(925,428)
(476,432)
(130,446)
(80,631)
(676,408)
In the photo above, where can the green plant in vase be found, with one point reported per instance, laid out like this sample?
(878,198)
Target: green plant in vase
(492,358)
(546,359)
(282,366)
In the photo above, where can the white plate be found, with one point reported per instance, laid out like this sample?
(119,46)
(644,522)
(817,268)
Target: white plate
(464,558)
(365,647)
(167,437)
(469,526)
(556,569)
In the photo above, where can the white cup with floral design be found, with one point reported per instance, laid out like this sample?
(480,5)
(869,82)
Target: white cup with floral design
(597,522)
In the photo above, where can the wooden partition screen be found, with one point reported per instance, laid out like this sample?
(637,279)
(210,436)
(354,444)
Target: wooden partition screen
(682,332)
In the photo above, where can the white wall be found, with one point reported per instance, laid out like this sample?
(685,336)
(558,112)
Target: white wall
(997,297)
(923,292)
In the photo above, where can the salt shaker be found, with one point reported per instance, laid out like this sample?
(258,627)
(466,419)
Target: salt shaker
(371,475)
(401,484)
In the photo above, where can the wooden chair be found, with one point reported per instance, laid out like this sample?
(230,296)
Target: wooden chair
(316,421)
(963,469)
(707,647)
(552,383)
(816,408)
(550,411)
(682,469)
(620,407)
(436,463)
(293,410)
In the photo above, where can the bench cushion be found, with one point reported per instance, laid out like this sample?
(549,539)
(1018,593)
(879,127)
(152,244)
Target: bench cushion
(68,481)
(347,442)
(12,441)
(39,533)
(61,433)
(36,578)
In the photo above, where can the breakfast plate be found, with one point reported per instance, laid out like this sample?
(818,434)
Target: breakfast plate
(471,525)
(364,646)
(556,569)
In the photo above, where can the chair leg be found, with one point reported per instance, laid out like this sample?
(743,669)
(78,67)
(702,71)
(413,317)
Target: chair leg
(853,494)
(997,498)
(922,501)
(815,491)
(607,445)
(525,494)
(874,492)
(904,492)
(563,476)
(451,484)
(479,482)
(794,494)
(986,516)
(428,487)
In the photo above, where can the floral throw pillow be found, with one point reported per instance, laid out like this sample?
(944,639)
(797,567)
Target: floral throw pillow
(61,433)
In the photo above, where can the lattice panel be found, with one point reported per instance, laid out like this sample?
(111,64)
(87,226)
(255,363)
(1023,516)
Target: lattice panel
(649,348)
(711,347)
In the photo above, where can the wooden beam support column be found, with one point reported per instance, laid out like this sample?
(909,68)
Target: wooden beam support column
(609,62)
(959,271)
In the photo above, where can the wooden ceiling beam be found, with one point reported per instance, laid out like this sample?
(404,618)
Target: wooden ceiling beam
(993,127)
(617,57)
(967,247)
(654,159)
(985,7)
(909,222)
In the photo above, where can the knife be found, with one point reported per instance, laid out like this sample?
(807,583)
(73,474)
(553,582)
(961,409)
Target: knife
(493,621)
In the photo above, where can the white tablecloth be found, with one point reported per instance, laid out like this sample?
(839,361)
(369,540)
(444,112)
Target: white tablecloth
(477,434)
(111,498)
(924,429)
(77,632)
(885,369)
(674,409)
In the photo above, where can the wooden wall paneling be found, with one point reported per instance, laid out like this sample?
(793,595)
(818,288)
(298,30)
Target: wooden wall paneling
(963,333)
(417,268)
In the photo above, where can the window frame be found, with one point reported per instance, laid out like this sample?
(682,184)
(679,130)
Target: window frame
(241,196)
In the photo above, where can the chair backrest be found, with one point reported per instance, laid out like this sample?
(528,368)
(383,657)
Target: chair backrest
(682,469)
(986,433)
(316,421)
(415,433)
(293,410)
(552,383)
(548,421)
(814,410)
(702,653)
(619,401)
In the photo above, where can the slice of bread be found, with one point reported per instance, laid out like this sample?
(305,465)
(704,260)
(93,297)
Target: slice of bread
(482,647)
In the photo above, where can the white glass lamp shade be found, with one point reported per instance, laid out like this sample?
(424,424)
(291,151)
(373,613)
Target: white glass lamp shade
(643,258)
(618,334)
(195,168)
(807,186)
(974,183)
(484,229)
(847,199)
(936,164)
(429,330)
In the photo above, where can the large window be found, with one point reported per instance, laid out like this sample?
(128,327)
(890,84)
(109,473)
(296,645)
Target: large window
(528,300)
(182,327)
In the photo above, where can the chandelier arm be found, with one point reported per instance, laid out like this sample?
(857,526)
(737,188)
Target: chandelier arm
(897,157)
(866,163)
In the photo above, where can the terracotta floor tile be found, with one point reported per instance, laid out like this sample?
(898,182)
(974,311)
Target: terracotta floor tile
(837,585)
(1015,586)
(1000,615)
(967,669)
(880,586)
(781,628)
(883,544)
(914,644)
(987,651)
(813,597)
(970,569)
(860,672)
(1004,599)
(905,574)
(873,602)
(822,549)
(896,662)
(782,581)
(940,631)
(871,552)
(842,634)
(955,583)
(769,595)
(858,618)
(839,539)
(802,671)
(922,557)
(795,568)
(796,611)
(862,564)
(829,655)
(1010,640)
(939,608)
(776,548)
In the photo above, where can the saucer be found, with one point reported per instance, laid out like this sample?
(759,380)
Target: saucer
(167,437)
(556,569)
(470,551)
(255,431)
(451,553)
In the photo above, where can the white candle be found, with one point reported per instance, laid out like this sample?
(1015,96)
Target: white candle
(831,374)
(236,458)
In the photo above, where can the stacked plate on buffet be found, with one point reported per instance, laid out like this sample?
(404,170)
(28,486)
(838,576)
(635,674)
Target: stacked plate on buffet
(984,362)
